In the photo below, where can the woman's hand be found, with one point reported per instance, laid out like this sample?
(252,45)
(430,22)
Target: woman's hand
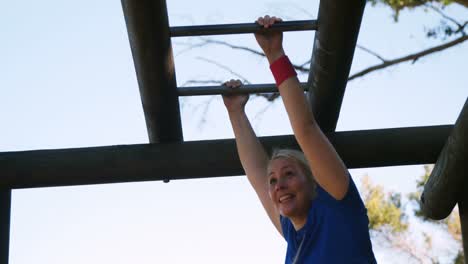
(237,102)
(271,41)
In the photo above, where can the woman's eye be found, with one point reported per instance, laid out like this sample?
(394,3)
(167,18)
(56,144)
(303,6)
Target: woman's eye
(289,173)
(272,181)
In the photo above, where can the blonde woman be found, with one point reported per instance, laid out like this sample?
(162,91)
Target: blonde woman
(309,196)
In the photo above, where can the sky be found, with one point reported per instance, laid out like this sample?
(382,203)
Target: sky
(67,80)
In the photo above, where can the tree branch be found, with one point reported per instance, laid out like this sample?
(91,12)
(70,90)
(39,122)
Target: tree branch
(244,80)
(301,68)
(371,52)
(223,43)
(385,63)
(412,57)
(437,10)
(462,28)
(402,242)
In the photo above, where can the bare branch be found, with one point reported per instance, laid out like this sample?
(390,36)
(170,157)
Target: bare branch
(189,48)
(402,242)
(305,63)
(385,63)
(437,10)
(270,97)
(462,28)
(244,80)
(301,68)
(412,57)
(371,52)
(223,43)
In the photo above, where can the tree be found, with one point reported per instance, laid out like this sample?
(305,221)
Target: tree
(451,223)
(390,224)
(398,5)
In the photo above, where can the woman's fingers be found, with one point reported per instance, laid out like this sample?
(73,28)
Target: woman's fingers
(275,19)
(233,83)
(260,21)
(267,21)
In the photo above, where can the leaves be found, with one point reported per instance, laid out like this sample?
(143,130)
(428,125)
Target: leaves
(398,5)
(383,209)
(388,220)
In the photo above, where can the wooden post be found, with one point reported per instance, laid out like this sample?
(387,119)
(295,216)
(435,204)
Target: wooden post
(335,40)
(445,186)
(149,35)
(5,210)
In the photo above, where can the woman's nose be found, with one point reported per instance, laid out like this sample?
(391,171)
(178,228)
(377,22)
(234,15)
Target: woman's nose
(281,184)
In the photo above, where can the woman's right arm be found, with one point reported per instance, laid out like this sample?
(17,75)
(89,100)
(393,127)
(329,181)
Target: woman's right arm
(252,155)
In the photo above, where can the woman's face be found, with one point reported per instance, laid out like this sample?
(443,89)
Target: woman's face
(289,188)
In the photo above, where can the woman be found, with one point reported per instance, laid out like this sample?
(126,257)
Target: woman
(310,197)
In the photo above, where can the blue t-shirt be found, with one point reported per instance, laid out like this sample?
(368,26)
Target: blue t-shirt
(336,231)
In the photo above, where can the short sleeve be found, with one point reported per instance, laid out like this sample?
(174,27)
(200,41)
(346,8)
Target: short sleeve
(352,198)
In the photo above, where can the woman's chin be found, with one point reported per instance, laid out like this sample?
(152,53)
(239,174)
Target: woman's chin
(287,212)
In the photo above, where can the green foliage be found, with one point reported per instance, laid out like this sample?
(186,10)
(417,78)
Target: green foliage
(454,225)
(452,222)
(387,217)
(398,5)
(447,27)
(383,209)
(460,258)
(415,196)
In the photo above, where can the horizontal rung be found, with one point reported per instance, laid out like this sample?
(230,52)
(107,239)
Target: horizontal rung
(244,89)
(226,29)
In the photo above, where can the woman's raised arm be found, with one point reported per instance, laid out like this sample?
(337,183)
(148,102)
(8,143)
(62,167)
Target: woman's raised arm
(252,155)
(327,167)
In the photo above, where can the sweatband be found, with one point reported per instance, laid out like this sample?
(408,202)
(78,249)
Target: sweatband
(282,69)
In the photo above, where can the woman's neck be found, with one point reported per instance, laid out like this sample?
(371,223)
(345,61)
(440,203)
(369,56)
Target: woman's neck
(298,221)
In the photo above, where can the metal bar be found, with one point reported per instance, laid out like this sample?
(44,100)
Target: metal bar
(148,32)
(5,211)
(204,159)
(227,29)
(244,89)
(447,182)
(335,40)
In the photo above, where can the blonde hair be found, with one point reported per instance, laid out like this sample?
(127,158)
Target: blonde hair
(296,156)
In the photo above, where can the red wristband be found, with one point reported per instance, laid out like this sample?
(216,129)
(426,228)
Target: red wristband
(282,69)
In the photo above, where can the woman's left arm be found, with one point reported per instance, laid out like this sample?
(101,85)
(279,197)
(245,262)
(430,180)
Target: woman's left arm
(327,167)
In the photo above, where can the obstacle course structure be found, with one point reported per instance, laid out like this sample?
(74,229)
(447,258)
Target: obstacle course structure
(168,157)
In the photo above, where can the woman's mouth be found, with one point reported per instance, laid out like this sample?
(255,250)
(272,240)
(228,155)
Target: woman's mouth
(285,197)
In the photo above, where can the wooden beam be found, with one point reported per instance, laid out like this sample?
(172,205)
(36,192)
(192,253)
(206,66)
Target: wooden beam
(447,182)
(5,210)
(335,40)
(204,159)
(148,32)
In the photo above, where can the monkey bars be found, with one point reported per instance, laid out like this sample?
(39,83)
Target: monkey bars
(168,157)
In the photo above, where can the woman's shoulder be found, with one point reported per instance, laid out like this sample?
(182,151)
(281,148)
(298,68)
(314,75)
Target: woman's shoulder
(351,199)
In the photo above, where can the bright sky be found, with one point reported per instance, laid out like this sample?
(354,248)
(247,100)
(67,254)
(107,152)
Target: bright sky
(67,79)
